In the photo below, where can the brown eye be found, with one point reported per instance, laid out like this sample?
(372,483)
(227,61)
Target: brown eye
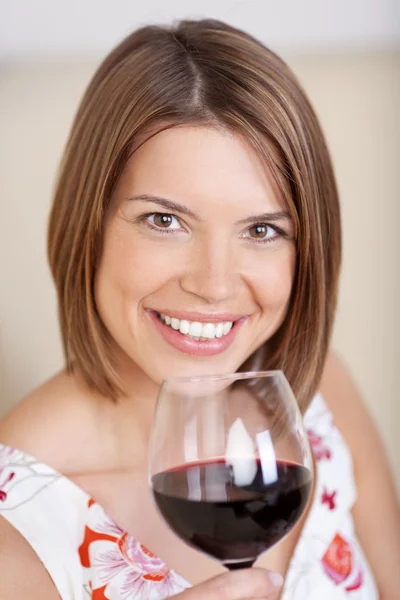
(162,220)
(259,231)
(263,232)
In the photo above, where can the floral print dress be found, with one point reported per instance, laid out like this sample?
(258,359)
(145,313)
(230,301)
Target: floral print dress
(88,556)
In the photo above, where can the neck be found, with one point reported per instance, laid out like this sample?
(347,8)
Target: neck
(124,426)
(132,414)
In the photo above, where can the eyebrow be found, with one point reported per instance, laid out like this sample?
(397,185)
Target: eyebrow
(184,210)
(168,204)
(267,217)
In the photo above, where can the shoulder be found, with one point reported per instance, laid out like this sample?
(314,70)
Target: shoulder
(336,378)
(345,401)
(23,575)
(54,424)
(354,420)
(51,425)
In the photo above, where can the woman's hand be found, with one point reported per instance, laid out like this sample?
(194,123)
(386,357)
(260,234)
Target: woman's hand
(244,584)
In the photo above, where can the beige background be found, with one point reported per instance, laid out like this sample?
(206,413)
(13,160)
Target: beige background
(357,96)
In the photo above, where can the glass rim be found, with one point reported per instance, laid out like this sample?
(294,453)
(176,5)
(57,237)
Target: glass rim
(224,376)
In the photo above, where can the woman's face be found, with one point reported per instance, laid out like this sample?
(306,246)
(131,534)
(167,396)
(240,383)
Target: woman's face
(198,256)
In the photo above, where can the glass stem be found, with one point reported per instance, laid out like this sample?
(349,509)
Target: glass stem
(244,564)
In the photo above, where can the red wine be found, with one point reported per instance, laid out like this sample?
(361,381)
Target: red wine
(234,523)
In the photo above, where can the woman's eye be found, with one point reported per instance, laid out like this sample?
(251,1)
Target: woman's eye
(163,221)
(262,231)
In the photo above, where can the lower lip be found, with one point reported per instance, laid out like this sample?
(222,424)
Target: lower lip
(187,345)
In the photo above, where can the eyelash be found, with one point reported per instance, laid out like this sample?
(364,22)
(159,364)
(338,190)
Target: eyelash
(165,231)
(160,230)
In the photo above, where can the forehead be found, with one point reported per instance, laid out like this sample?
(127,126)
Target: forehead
(197,165)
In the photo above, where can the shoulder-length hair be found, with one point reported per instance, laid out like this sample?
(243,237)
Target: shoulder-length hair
(204,73)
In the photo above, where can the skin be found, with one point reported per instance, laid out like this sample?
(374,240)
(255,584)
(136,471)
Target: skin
(211,264)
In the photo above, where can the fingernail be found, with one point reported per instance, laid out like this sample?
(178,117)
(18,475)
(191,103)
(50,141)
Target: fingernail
(276,579)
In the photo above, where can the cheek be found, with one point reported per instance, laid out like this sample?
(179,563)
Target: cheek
(127,268)
(274,280)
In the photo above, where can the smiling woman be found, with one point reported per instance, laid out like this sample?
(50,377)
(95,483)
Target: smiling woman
(195,230)
(229,135)
(217,259)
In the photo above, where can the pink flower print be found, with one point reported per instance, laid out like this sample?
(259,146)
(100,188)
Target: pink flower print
(119,564)
(5,456)
(137,554)
(357,583)
(329,499)
(138,569)
(320,450)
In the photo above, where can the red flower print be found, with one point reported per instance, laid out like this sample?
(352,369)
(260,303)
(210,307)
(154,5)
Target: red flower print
(329,499)
(99,594)
(337,560)
(320,450)
(338,564)
(3,495)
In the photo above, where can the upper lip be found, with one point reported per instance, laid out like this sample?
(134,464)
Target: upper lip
(185,315)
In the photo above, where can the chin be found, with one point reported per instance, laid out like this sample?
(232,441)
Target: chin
(193,368)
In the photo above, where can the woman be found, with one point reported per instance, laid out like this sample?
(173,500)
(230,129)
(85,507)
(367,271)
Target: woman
(196,192)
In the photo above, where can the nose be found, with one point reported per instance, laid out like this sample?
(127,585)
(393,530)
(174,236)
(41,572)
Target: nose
(211,272)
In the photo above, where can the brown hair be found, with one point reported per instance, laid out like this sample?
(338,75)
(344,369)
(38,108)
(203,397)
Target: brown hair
(206,73)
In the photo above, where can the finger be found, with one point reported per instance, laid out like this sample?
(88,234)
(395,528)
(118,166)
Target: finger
(236,585)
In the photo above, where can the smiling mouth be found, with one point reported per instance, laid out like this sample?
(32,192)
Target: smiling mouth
(195,330)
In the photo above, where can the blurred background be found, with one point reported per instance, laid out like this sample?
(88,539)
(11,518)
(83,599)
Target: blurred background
(347,56)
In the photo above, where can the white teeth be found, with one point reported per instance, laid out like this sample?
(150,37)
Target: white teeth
(175,323)
(209,331)
(184,327)
(227,327)
(197,330)
(219,330)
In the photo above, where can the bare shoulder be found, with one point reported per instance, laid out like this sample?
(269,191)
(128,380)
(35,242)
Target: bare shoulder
(56,424)
(344,400)
(350,412)
(376,496)
(352,417)
(22,573)
(53,423)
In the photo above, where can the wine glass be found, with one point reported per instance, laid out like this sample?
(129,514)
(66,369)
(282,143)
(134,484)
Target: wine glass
(230,465)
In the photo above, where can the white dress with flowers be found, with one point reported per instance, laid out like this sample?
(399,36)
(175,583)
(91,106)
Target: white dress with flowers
(89,556)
